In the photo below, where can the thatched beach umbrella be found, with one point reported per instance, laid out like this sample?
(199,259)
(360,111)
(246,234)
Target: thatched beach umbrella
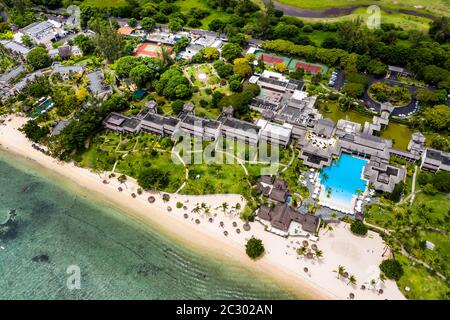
(221,224)
(197,221)
(105,182)
(169,208)
(210,220)
(166,197)
(133,195)
(151,199)
(305,269)
(234,224)
(363,287)
(380,291)
(185,208)
(309,255)
(314,247)
(225,233)
(120,189)
(351,296)
(186,216)
(305,243)
(246,227)
(345,274)
(238,230)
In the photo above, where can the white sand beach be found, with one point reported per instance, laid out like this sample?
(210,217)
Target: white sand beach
(359,255)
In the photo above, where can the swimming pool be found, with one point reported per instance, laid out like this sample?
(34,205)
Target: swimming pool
(344,179)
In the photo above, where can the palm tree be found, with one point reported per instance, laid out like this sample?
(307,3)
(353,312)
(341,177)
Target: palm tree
(319,253)
(165,56)
(359,192)
(329,227)
(352,280)
(340,271)
(302,251)
(225,206)
(196,209)
(324,177)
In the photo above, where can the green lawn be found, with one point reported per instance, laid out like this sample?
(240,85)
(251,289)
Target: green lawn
(399,133)
(422,284)
(106,3)
(435,6)
(186,5)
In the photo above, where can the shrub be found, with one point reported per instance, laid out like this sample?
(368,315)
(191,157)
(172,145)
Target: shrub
(392,269)
(358,227)
(179,205)
(254,248)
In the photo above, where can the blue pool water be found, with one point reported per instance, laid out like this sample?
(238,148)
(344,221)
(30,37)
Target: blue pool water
(344,178)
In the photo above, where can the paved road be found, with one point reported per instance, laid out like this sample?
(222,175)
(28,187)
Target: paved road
(408,109)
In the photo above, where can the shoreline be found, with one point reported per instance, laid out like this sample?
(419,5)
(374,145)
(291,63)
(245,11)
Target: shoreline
(278,264)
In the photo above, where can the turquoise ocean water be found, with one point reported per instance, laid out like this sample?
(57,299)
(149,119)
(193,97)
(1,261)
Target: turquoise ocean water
(119,258)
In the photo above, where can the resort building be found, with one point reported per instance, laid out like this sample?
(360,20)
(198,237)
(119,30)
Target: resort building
(200,127)
(274,133)
(66,71)
(16,48)
(282,215)
(239,130)
(12,74)
(23,83)
(160,125)
(416,145)
(435,160)
(45,32)
(120,123)
(383,176)
(97,86)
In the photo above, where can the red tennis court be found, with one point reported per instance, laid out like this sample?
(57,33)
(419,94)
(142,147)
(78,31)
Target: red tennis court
(271,59)
(150,50)
(308,67)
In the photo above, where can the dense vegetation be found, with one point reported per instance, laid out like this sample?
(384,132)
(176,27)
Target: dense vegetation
(254,248)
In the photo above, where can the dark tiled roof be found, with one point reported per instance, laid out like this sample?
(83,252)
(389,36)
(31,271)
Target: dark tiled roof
(278,195)
(267,179)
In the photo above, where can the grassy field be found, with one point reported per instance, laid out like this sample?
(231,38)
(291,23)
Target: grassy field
(422,284)
(105,3)
(186,5)
(425,6)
